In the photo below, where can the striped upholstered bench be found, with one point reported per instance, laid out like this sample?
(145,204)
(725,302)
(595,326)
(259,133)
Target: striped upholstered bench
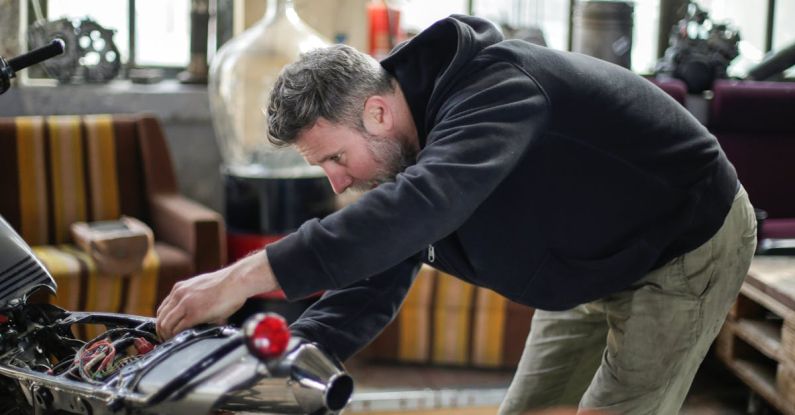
(58,170)
(445,321)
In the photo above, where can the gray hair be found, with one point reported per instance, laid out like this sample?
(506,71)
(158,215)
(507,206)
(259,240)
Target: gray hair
(332,83)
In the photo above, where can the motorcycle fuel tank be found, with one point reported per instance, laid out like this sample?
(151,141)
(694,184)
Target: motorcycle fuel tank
(20,272)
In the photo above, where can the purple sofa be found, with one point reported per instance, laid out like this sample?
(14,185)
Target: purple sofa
(755,124)
(673,87)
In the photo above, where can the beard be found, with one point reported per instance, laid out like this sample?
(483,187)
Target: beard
(392,155)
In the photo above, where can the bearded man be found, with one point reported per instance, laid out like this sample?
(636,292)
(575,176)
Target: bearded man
(558,180)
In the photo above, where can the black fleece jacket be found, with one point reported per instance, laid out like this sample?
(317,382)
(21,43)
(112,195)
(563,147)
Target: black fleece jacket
(550,177)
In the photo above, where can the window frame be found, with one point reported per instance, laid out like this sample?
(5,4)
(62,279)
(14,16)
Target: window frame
(224,12)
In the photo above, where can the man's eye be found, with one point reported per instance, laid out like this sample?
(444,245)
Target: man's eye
(336,158)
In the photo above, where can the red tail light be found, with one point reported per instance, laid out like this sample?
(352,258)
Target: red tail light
(267,335)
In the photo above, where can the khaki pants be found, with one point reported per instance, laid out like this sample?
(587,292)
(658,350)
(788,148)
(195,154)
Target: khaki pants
(637,351)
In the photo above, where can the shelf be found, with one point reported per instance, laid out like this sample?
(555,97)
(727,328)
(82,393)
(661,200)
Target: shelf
(753,340)
(762,381)
(764,336)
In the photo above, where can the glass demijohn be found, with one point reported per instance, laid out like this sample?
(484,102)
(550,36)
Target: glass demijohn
(241,76)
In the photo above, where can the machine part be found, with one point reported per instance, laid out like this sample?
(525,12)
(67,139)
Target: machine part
(100,58)
(84,406)
(700,50)
(42,398)
(63,67)
(774,64)
(91,54)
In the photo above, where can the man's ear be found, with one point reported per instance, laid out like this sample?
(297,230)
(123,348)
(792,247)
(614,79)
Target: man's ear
(378,117)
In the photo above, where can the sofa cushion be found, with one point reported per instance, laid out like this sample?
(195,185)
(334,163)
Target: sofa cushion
(753,107)
(81,287)
(58,170)
(754,124)
(446,321)
(783,228)
(674,87)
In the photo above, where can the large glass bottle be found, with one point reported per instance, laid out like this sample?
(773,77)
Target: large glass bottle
(268,191)
(241,76)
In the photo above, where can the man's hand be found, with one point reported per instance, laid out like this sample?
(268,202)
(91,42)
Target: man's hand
(212,297)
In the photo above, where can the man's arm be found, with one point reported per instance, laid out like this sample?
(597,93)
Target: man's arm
(344,321)
(212,297)
(484,128)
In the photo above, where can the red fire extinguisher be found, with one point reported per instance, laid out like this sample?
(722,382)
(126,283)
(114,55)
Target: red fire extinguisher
(384,22)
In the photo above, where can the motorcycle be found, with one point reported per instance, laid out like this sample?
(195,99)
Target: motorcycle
(47,367)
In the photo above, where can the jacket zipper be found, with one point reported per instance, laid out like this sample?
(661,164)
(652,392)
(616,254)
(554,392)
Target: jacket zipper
(431,254)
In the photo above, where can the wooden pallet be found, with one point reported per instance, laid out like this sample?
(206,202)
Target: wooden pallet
(757,341)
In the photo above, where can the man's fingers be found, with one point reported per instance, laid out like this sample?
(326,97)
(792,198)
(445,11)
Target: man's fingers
(182,324)
(220,322)
(171,299)
(162,314)
(165,318)
(164,305)
(197,300)
(167,322)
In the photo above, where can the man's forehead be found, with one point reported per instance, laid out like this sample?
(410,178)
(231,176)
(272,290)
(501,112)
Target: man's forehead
(315,145)
(322,140)
(307,150)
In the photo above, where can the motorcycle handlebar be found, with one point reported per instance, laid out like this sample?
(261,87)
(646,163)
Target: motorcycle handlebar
(56,47)
(9,68)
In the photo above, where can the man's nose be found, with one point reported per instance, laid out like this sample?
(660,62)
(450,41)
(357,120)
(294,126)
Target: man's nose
(339,181)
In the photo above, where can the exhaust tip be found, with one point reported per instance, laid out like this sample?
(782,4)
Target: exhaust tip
(339,391)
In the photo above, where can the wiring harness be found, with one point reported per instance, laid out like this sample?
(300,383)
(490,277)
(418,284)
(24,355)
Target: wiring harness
(106,354)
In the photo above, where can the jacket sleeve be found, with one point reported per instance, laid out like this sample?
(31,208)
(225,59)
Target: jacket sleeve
(485,126)
(344,321)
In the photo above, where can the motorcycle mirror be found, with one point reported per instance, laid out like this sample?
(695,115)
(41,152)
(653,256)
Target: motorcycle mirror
(266,335)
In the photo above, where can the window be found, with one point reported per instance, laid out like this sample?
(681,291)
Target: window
(156,35)
(416,15)
(645,32)
(783,29)
(110,14)
(163,32)
(551,16)
(750,17)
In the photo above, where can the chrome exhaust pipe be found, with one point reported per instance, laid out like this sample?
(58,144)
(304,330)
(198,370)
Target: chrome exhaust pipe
(304,381)
(316,382)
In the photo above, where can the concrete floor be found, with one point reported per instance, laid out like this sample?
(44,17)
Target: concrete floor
(383,389)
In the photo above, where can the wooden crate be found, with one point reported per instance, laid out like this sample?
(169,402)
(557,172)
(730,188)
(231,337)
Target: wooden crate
(757,341)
